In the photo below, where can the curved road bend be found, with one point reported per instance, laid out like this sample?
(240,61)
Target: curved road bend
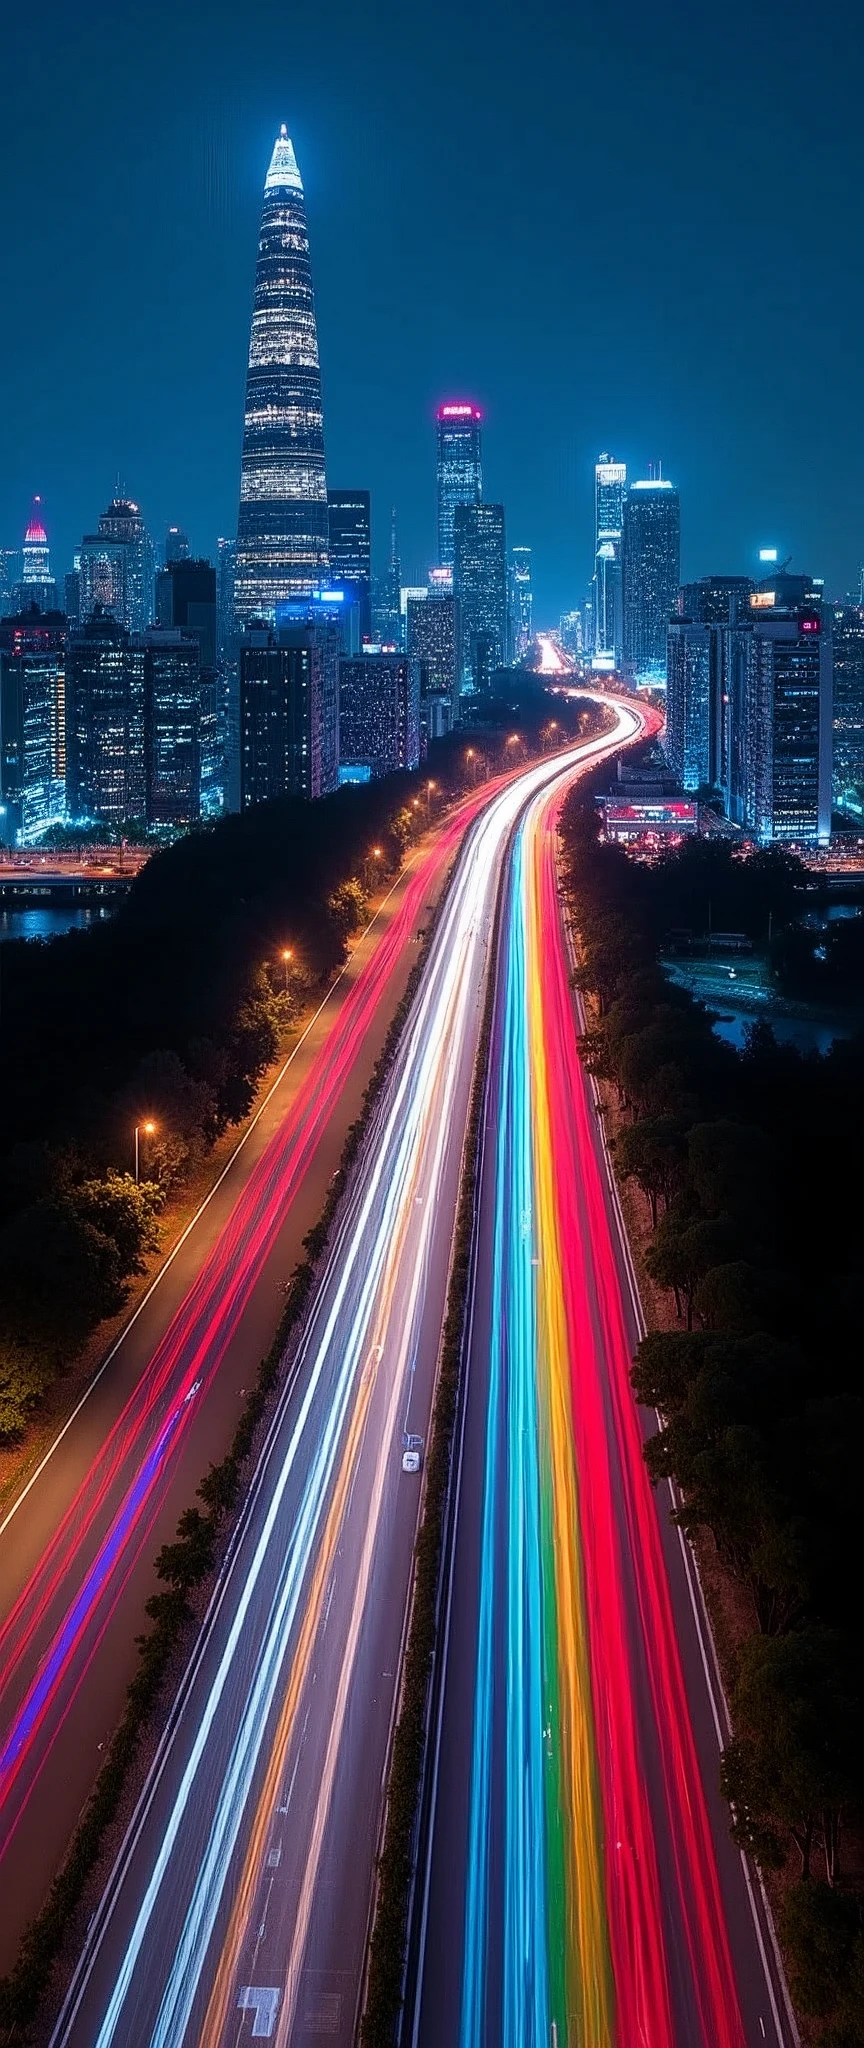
(239,1905)
(77,1547)
(581,1887)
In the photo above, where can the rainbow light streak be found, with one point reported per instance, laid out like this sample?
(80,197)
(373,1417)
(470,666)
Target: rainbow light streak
(191,1351)
(576,1630)
(362,1331)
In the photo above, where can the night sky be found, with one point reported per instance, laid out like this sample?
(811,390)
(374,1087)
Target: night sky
(631,226)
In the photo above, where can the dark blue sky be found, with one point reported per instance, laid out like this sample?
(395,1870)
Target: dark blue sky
(636,227)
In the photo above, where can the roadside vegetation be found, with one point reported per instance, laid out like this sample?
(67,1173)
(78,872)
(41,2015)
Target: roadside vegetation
(749,1168)
(166,1017)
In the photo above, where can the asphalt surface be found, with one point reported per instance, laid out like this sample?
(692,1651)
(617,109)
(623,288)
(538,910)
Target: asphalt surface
(559,1920)
(239,1904)
(77,1548)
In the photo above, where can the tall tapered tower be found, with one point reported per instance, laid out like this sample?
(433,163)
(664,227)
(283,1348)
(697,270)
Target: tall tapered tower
(282,530)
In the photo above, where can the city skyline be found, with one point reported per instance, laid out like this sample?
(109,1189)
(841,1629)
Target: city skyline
(406,317)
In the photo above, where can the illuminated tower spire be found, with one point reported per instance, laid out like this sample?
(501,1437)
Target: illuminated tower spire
(282,528)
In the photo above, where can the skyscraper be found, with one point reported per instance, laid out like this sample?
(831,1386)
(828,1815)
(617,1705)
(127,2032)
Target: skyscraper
(379,715)
(432,638)
(116,568)
(105,721)
(480,581)
(172,726)
(186,599)
(651,572)
(289,711)
(282,531)
(848,639)
(610,479)
(521,602)
(350,529)
(177,547)
(37,584)
(778,672)
(460,478)
(697,723)
(32,723)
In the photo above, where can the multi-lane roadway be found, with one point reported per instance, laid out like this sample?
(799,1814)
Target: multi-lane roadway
(239,1904)
(77,1543)
(579,1886)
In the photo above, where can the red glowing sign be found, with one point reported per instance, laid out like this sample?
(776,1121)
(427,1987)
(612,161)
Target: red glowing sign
(458,412)
(810,625)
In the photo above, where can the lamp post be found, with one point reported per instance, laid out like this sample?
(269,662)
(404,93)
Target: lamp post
(148,1128)
(429,788)
(471,755)
(287,957)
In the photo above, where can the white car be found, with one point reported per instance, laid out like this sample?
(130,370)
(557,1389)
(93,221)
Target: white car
(412,1454)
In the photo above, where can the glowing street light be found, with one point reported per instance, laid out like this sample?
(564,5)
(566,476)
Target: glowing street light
(148,1128)
(287,957)
(429,788)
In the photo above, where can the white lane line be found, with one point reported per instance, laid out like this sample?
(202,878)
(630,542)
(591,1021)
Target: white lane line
(89,1389)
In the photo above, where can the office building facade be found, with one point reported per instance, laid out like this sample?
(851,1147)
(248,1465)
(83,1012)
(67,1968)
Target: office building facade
(350,537)
(37,584)
(848,650)
(282,529)
(105,766)
(186,599)
(778,672)
(697,699)
(610,479)
(289,706)
(116,568)
(459,470)
(521,603)
(480,583)
(32,724)
(432,639)
(379,716)
(172,727)
(651,563)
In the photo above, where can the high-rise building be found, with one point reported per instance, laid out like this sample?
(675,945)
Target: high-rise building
(282,531)
(651,572)
(480,582)
(10,577)
(460,474)
(177,547)
(387,596)
(289,705)
(432,638)
(610,480)
(105,771)
(37,584)
(172,726)
(350,529)
(116,568)
(697,724)
(186,599)
(778,676)
(848,644)
(32,723)
(379,716)
(570,632)
(521,602)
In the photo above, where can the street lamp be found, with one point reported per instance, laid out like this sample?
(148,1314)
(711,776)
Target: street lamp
(287,957)
(429,788)
(148,1128)
(471,755)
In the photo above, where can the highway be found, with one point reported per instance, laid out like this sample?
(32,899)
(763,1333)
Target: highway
(579,1885)
(238,1907)
(78,1543)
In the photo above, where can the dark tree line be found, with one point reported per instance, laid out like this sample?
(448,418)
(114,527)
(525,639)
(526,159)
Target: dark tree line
(756,1234)
(168,1015)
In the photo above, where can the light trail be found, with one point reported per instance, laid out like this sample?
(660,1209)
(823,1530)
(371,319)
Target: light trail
(334,1450)
(610,1928)
(65,1608)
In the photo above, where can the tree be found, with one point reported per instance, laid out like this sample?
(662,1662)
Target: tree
(125,1211)
(22,1381)
(795,1762)
(683,1251)
(185,1563)
(50,1243)
(823,1939)
(651,1153)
